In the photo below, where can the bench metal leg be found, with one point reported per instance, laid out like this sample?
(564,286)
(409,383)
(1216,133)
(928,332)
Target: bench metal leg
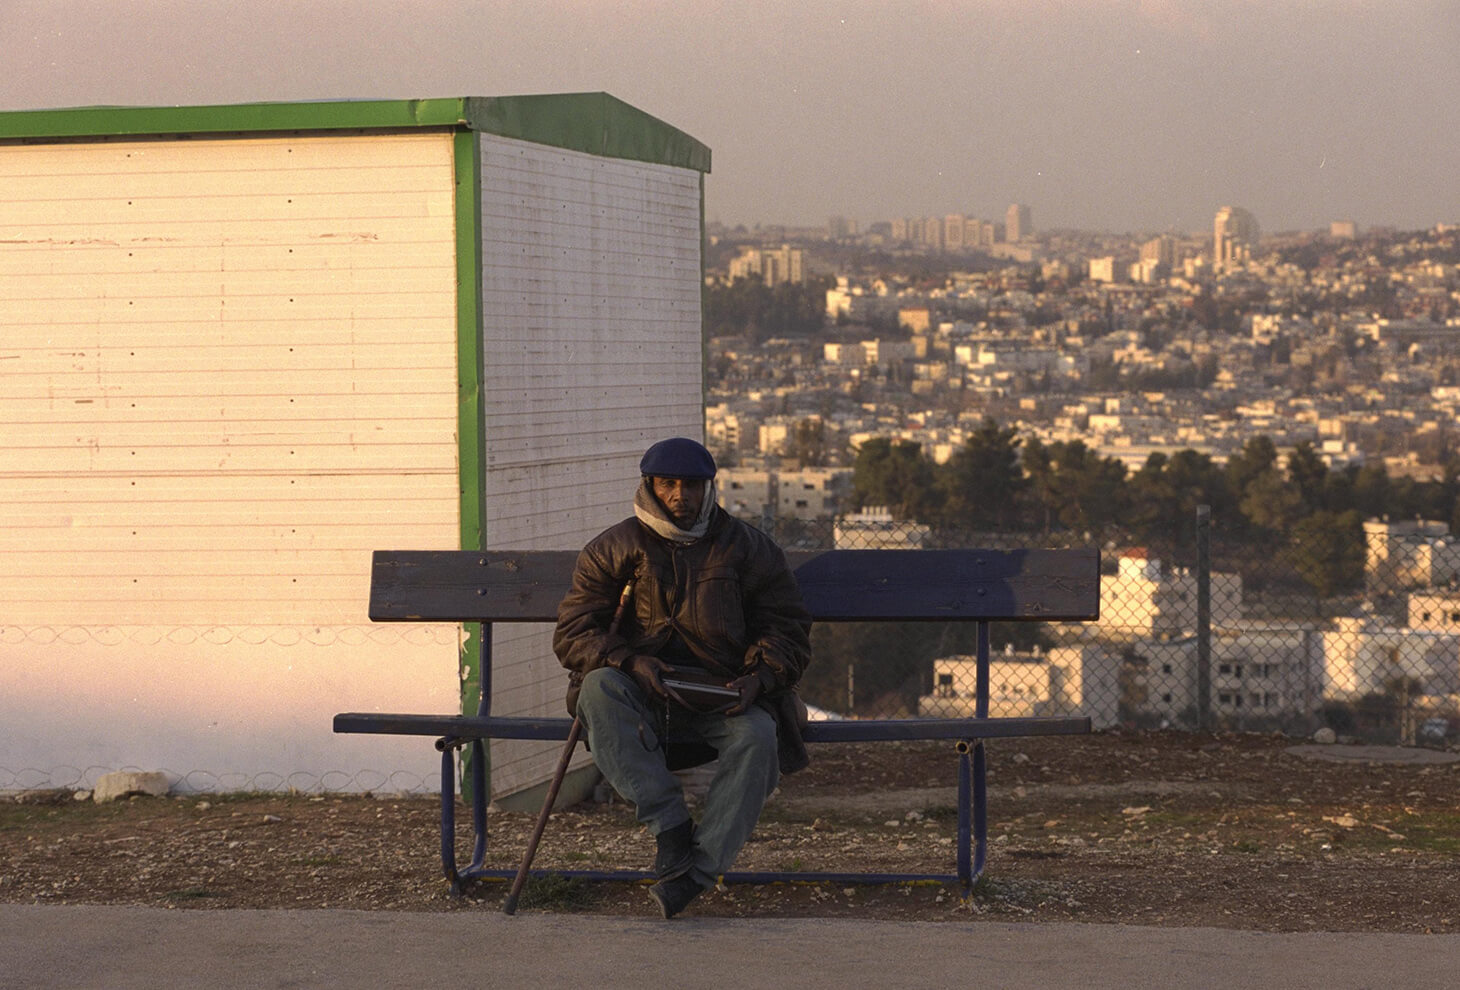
(973,820)
(448,747)
(478,803)
(980,813)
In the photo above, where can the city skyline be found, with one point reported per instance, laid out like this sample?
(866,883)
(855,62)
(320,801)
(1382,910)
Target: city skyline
(1106,115)
(842,226)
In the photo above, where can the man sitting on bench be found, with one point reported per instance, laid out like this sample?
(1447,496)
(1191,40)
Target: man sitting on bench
(712,600)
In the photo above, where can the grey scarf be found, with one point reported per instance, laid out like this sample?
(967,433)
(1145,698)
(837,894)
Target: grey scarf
(652,514)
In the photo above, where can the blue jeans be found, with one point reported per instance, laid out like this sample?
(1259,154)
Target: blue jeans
(621,736)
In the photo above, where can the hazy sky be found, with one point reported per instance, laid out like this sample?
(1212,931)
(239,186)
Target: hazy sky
(1121,115)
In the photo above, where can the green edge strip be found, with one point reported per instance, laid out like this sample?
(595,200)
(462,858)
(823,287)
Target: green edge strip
(596,123)
(121,121)
(469,370)
(469,423)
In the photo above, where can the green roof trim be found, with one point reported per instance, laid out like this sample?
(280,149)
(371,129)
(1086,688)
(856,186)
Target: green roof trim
(136,121)
(596,123)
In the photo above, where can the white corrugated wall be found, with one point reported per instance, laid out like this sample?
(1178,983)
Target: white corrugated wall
(592,350)
(228,373)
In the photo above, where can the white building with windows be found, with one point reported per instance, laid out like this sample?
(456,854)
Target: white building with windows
(1363,655)
(1268,671)
(874,528)
(812,493)
(1143,598)
(1068,680)
(746,493)
(1436,610)
(1410,554)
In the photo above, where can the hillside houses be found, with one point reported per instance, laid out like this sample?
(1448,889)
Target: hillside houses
(1354,353)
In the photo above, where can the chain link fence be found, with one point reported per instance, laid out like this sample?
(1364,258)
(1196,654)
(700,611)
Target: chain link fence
(1360,637)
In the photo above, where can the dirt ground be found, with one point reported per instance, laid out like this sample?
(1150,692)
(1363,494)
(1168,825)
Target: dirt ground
(1238,831)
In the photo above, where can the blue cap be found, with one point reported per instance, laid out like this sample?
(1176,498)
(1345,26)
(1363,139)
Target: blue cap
(678,457)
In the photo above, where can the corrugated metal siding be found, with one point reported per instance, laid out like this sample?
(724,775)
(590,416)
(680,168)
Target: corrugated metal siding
(592,351)
(229,373)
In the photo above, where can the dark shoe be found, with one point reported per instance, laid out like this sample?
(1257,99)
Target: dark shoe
(676,851)
(673,896)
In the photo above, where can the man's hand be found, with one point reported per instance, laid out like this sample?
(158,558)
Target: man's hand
(749,689)
(647,672)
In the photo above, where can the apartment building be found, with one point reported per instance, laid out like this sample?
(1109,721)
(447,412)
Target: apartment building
(1018,223)
(1066,680)
(772,265)
(1143,599)
(1409,554)
(1234,237)
(745,493)
(811,493)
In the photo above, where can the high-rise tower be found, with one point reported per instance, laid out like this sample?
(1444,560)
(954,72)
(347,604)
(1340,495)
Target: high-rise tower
(1234,237)
(1017,223)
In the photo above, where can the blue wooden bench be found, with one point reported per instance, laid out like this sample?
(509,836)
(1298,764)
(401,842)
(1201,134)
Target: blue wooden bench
(980,586)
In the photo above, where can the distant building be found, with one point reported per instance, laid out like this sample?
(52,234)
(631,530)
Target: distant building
(1234,237)
(1256,673)
(1143,599)
(978,234)
(1148,271)
(857,302)
(745,493)
(1161,250)
(1103,269)
(1017,223)
(849,355)
(811,493)
(1364,655)
(773,266)
(1343,230)
(932,235)
(917,320)
(730,431)
(1068,680)
(1055,269)
(953,227)
(804,494)
(874,529)
(1410,554)
(888,352)
(1435,611)
(775,433)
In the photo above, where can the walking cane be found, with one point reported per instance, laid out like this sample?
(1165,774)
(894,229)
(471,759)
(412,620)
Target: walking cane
(509,906)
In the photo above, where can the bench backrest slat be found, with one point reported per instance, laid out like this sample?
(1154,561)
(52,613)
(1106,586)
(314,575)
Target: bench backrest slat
(838,585)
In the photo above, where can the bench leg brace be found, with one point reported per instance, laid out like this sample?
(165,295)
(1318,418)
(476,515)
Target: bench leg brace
(448,746)
(973,819)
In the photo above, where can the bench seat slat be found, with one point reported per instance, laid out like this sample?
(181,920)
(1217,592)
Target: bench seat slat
(848,730)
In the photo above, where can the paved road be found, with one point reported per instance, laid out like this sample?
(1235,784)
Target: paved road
(119,948)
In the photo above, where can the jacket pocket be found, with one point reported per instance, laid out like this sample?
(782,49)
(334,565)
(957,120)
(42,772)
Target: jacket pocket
(720,610)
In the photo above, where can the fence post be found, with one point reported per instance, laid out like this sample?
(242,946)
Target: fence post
(1203,617)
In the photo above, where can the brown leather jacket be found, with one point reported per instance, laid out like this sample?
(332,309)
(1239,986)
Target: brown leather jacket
(729,595)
